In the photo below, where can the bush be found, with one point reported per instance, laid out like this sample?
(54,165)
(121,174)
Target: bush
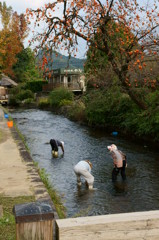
(29,100)
(113,108)
(35,86)
(101,106)
(43,102)
(59,95)
(77,111)
(65,102)
(13,101)
(25,94)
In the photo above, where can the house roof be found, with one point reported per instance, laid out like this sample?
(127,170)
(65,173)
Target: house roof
(6,81)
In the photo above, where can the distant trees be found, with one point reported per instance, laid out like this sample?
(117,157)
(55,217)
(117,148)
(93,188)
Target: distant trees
(127,32)
(14,31)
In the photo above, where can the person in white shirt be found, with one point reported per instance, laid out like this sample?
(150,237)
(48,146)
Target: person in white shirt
(83,169)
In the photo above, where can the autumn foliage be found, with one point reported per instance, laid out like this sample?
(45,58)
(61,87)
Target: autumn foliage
(12,35)
(127,32)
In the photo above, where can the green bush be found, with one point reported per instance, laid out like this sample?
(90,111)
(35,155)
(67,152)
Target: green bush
(58,95)
(13,101)
(43,102)
(19,93)
(35,86)
(65,102)
(25,94)
(77,111)
(113,108)
(101,106)
(29,100)
(17,89)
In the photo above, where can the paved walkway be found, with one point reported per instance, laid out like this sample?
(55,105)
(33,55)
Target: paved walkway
(18,175)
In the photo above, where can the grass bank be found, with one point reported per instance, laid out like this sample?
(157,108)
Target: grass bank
(7,222)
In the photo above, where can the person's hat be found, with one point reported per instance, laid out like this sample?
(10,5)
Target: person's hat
(90,164)
(112,147)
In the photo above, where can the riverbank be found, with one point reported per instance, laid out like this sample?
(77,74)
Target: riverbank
(147,140)
(93,109)
(20,181)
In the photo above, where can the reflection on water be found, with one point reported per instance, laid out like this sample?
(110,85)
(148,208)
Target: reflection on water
(138,193)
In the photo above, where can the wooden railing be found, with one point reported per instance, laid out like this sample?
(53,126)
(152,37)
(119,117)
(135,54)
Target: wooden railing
(125,226)
(71,86)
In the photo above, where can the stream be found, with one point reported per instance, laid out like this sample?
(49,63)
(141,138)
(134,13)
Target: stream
(139,193)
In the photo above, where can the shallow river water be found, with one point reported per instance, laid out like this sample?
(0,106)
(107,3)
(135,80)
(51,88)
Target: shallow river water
(139,193)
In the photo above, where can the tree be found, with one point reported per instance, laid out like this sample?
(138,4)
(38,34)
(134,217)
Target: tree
(25,68)
(135,21)
(14,31)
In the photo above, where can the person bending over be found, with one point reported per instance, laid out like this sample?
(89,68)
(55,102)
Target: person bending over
(83,169)
(55,144)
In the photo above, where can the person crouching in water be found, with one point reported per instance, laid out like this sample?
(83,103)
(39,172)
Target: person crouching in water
(119,160)
(54,145)
(83,169)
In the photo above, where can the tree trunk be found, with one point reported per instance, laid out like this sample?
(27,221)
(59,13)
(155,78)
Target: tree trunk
(135,98)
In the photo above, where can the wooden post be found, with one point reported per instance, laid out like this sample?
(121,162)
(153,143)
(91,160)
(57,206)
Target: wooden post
(34,221)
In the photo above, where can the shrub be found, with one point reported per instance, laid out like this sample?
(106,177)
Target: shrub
(77,111)
(29,100)
(65,102)
(25,94)
(35,86)
(13,101)
(43,102)
(58,95)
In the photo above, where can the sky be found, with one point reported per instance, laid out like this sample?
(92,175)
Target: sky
(20,6)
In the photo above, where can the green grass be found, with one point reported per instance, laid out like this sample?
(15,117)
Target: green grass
(53,194)
(7,222)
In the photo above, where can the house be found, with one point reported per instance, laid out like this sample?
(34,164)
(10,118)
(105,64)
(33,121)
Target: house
(5,81)
(70,78)
(5,84)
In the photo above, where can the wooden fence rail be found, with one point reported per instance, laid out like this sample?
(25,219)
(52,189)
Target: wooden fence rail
(125,226)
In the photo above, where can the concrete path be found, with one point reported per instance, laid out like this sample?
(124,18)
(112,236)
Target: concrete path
(18,175)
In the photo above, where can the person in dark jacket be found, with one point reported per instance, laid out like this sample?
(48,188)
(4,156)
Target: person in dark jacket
(119,161)
(55,144)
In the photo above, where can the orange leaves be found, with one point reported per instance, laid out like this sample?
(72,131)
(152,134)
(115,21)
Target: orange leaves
(137,18)
(136,51)
(130,53)
(11,35)
(45,60)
